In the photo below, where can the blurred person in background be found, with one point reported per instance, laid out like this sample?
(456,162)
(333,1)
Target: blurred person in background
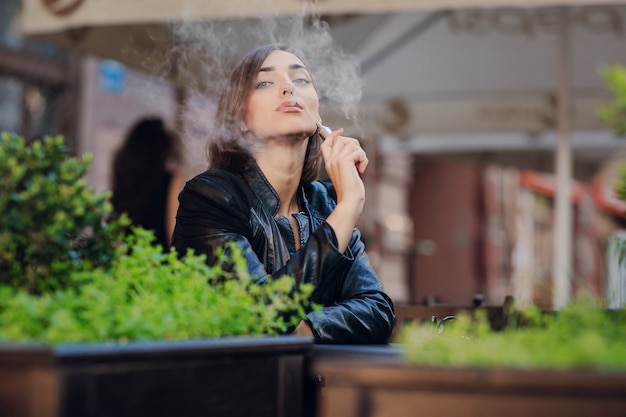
(261,192)
(147,178)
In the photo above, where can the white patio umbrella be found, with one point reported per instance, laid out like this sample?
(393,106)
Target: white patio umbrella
(45,16)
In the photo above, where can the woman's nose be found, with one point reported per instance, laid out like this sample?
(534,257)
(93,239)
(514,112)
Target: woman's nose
(287,86)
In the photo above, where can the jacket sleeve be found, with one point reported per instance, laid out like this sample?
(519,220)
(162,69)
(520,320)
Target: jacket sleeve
(356,310)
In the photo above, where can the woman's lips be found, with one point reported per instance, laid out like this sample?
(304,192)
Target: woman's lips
(290,107)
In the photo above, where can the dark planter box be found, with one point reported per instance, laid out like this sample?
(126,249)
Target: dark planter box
(375,382)
(240,376)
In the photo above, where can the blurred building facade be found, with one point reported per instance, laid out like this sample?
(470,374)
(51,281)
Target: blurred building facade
(38,84)
(463,230)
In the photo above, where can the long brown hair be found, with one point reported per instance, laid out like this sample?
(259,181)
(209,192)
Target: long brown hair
(227,147)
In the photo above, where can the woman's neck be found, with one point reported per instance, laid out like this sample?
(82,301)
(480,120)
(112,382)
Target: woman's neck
(282,166)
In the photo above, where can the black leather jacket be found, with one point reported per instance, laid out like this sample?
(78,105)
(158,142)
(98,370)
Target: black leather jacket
(219,206)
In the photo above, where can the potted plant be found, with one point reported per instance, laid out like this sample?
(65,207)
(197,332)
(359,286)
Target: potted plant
(96,323)
(567,363)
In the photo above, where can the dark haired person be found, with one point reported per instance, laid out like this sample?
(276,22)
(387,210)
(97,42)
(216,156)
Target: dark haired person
(260,191)
(146,178)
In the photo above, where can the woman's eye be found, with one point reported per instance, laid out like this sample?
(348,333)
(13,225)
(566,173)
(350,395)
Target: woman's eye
(262,84)
(301,81)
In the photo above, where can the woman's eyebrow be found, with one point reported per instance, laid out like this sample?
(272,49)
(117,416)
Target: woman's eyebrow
(291,67)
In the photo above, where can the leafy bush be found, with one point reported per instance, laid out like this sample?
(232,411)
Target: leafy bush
(614,112)
(53,222)
(67,274)
(580,335)
(147,294)
(620,182)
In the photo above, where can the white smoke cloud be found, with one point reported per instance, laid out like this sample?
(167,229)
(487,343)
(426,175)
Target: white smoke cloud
(202,53)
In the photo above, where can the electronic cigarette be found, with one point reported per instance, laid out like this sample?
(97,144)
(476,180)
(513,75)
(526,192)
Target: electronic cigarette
(324,130)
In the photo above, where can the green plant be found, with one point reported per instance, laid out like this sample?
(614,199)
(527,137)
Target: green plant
(619,187)
(53,222)
(614,112)
(68,274)
(147,294)
(581,335)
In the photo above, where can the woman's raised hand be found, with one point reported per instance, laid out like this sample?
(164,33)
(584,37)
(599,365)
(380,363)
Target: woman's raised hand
(345,161)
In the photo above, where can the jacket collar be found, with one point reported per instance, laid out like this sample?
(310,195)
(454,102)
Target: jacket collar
(262,189)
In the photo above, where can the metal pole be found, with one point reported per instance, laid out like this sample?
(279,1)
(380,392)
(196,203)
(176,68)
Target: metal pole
(562,238)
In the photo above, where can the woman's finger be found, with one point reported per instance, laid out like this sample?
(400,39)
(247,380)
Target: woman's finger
(338,148)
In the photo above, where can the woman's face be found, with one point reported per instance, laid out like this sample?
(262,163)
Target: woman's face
(283,100)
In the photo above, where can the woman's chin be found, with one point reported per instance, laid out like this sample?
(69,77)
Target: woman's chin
(295,135)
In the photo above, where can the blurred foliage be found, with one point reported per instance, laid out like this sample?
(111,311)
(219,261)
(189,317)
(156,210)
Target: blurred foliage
(581,335)
(614,112)
(619,188)
(53,223)
(68,274)
(147,294)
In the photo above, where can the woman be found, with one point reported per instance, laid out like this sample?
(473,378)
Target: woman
(260,192)
(147,180)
